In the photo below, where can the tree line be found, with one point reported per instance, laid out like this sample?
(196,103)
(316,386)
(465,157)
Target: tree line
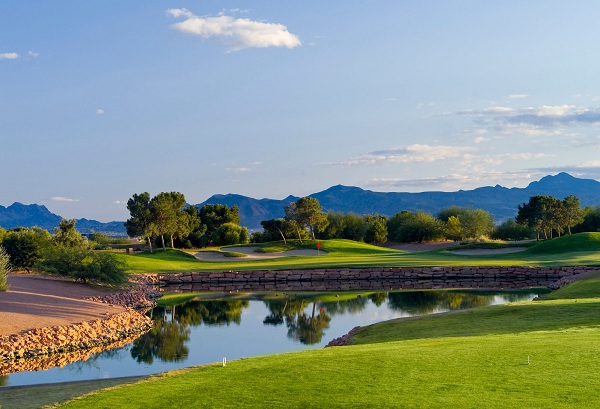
(168,215)
(66,253)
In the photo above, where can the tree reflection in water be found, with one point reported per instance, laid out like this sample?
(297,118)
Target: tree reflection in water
(428,302)
(307,329)
(170,333)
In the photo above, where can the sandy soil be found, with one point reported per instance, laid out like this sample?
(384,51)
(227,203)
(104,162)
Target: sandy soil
(37,301)
(251,254)
(420,246)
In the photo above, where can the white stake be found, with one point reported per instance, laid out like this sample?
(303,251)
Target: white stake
(528,361)
(224,361)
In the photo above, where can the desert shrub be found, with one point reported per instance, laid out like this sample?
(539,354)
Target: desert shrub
(82,264)
(4,268)
(25,246)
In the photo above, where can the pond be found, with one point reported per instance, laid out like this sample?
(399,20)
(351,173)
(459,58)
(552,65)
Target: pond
(212,326)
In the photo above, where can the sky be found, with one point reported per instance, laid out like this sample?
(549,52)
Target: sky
(103,99)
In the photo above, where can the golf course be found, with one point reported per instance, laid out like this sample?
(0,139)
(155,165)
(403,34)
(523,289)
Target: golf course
(542,353)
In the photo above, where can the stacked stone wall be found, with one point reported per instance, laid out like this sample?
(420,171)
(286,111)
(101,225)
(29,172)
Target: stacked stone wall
(375,278)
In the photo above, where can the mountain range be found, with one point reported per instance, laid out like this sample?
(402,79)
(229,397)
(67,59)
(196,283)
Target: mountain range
(501,202)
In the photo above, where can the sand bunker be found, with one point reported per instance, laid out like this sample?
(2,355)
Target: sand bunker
(251,254)
(485,252)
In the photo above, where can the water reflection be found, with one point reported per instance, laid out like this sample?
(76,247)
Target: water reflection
(212,326)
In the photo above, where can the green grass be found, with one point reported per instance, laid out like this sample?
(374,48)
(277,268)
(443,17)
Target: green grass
(579,249)
(486,371)
(234,254)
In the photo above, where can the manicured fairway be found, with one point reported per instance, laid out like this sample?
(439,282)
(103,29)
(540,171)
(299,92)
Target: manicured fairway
(581,249)
(488,371)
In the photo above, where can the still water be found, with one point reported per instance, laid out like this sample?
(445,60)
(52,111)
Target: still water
(211,327)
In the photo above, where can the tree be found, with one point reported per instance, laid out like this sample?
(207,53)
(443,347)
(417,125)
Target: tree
(25,246)
(141,223)
(4,268)
(229,233)
(453,229)
(409,227)
(164,215)
(537,214)
(464,223)
(307,212)
(511,230)
(66,235)
(196,230)
(376,229)
(590,222)
(215,215)
(573,214)
(276,226)
(547,214)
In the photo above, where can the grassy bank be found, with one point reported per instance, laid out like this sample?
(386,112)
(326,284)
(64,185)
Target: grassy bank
(485,371)
(580,249)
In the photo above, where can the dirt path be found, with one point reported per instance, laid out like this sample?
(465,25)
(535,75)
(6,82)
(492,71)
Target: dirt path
(36,301)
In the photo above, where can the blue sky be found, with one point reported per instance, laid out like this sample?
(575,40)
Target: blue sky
(103,99)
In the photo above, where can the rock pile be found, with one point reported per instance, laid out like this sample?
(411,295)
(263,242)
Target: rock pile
(49,341)
(60,345)
(142,295)
(343,340)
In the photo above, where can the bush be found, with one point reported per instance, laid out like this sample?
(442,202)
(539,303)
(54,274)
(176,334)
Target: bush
(511,230)
(25,246)
(83,265)
(4,269)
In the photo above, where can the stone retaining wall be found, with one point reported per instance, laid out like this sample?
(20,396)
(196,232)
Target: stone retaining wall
(376,278)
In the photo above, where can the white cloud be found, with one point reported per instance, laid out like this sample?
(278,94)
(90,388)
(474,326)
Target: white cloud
(9,56)
(33,54)
(517,96)
(119,202)
(480,139)
(238,170)
(99,112)
(455,181)
(63,199)
(545,120)
(415,153)
(235,33)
